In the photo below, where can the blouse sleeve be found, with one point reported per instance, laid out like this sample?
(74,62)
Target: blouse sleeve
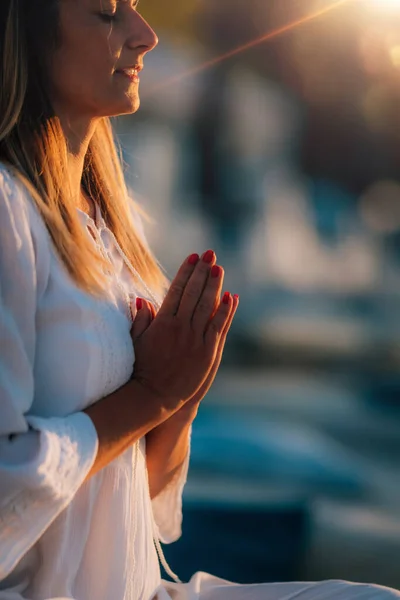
(43,461)
(167,506)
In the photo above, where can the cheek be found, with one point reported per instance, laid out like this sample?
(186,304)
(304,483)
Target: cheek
(83,74)
(82,68)
(91,56)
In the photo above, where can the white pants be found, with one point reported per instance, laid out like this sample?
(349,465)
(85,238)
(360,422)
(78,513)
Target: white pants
(207,587)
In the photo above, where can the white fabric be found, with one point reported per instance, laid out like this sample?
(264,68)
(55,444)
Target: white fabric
(203,586)
(61,350)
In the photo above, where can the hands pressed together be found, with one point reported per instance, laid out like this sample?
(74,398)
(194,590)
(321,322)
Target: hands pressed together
(179,349)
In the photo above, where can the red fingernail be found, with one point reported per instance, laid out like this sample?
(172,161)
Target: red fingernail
(139,303)
(226,298)
(208,256)
(194,259)
(215,271)
(236,296)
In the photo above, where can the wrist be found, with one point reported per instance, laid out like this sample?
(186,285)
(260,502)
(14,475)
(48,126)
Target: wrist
(187,413)
(165,405)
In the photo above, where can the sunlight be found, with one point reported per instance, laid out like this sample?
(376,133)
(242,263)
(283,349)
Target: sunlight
(268,36)
(385,4)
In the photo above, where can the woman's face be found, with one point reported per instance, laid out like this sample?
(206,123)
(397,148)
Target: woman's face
(93,71)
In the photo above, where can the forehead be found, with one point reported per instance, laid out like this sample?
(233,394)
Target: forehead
(98,5)
(102,3)
(95,5)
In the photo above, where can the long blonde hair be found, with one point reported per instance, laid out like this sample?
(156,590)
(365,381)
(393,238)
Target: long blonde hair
(33,144)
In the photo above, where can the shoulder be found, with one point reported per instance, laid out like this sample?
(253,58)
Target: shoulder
(11,185)
(15,227)
(23,236)
(16,204)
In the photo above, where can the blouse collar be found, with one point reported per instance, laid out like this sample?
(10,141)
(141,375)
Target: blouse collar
(98,221)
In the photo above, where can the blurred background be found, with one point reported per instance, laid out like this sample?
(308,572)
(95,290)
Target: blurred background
(284,158)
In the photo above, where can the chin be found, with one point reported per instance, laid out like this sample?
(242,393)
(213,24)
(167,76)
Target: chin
(126,106)
(131,105)
(134,106)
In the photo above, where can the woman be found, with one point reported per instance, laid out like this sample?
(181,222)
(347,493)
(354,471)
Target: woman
(95,411)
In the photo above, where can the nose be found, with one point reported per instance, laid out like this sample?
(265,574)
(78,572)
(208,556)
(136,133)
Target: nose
(142,36)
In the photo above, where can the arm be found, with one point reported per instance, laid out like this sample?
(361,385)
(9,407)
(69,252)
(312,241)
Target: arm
(167,447)
(121,419)
(43,461)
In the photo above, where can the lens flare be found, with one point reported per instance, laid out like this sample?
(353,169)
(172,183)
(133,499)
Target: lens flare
(256,42)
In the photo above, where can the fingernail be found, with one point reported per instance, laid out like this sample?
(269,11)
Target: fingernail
(139,303)
(193,259)
(226,298)
(215,271)
(208,256)
(236,296)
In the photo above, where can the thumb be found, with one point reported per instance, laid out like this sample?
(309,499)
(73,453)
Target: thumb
(142,317)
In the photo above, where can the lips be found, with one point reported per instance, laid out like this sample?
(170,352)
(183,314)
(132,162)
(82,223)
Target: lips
(131,71)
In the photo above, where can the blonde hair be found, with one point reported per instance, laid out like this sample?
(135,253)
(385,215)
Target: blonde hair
(32,142)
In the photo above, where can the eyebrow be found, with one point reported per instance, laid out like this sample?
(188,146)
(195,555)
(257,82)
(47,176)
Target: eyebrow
(133,3)
(114,3)
(108,3)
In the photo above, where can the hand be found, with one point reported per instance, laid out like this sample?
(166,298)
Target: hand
(143,319)
(175,353)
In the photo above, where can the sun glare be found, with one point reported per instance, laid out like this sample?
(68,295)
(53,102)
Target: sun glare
(385,4)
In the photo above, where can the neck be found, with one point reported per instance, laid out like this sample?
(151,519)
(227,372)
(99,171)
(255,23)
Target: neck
(78,135)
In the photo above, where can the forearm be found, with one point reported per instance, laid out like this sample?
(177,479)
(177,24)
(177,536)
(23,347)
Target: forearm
(121,419)
(166,449)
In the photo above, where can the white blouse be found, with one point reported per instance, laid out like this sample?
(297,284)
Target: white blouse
(61,537)
(61,351)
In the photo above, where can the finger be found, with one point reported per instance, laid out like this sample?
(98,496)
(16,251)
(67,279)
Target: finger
(173,297)
(214,369)
(150,307)
(153,310)
(196,285)
(235,304)
(143,318)
(209,300)
(222,340)
(217,325)
(218,299)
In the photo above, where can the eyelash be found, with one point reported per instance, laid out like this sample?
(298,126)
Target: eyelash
(109,18)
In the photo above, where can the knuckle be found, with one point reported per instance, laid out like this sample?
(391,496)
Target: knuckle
(204,306)
(203,268)
(214,327)
(176,288)
(193,291)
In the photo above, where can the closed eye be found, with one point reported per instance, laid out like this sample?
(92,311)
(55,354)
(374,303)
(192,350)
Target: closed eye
(110,17)
(107,17)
